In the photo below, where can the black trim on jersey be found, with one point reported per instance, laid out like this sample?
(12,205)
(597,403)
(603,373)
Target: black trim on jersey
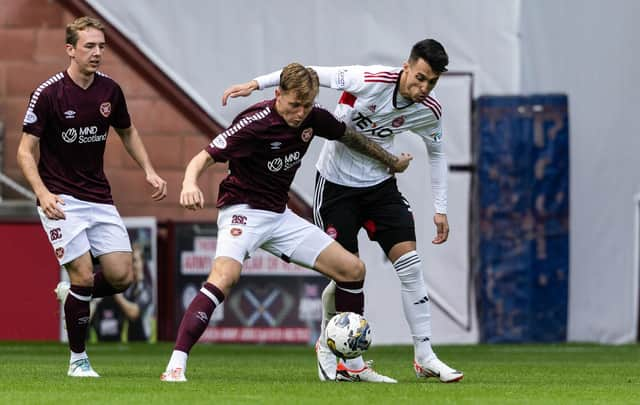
(395,94)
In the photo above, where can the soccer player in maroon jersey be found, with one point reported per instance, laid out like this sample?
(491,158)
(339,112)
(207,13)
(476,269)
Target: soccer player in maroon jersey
(66,124)
(264,147)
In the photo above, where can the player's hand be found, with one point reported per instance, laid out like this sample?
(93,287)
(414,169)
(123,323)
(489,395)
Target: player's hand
(239,90)
(49,205)
(442,229)
(402,163)
(159,186)
(191,197)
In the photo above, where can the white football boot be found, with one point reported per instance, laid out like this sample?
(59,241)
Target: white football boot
(436,368)
(366,374)
(173,375)
(327,362)
(81,368)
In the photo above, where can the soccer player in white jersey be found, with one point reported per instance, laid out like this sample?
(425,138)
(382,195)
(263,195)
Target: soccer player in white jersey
(354,191)
(264,146)
(61,155)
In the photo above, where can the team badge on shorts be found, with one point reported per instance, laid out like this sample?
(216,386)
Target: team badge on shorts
(236,231)
(307,134)
(60,252)
(105,109)
(332,231)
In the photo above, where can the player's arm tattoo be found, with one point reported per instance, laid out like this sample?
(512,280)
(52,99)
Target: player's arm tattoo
(362,144)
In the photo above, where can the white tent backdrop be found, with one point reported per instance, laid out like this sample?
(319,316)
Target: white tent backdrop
(207,45)
(509,47)
(590,50)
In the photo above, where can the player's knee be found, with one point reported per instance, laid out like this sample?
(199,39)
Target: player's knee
(84,279)
(123,279)
(225,274)
(409,268)
(226,282)
(355,270)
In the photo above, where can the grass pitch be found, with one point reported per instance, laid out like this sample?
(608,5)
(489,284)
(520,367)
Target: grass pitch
(35,373)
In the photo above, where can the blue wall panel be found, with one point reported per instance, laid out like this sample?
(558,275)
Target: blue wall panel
(522,196)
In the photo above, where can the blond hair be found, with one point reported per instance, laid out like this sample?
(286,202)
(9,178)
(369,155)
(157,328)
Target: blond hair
(301,80)
(81,24)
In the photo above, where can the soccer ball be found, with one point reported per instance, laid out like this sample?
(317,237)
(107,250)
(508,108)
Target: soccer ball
(348,335)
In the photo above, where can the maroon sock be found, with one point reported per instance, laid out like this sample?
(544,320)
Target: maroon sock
(196,317)
(101,287)
(76,313)
(350,296)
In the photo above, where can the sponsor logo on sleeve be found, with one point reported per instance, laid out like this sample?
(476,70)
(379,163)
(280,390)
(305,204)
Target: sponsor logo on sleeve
(105,109)
(340,79)
(236,231)
(220,142)
(30,117)
(60,252)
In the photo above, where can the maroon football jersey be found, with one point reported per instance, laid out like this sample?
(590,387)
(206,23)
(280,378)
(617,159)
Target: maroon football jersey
(72,124)
(264,154)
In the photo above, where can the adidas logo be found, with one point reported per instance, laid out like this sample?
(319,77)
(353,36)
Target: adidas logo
(422,300)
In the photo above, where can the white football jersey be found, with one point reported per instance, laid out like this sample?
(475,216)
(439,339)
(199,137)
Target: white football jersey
(370,104)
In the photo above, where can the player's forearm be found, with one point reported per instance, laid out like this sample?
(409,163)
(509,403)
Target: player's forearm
(135,148)
(27,162)
(269,80)
(439,171)
(196,166)
(325,77)
(362,144)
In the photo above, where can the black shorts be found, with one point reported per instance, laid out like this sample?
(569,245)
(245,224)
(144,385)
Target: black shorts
(381,210)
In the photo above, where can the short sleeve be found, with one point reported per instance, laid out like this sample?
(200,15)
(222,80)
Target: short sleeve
(235,142)
(35,119)
(326,125)
(120,115)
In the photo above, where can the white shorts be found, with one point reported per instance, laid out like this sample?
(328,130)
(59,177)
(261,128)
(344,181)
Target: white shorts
(242,230)
(88,226)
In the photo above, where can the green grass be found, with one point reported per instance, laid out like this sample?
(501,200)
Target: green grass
(35,373)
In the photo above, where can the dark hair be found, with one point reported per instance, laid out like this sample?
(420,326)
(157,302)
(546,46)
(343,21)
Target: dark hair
(432,52)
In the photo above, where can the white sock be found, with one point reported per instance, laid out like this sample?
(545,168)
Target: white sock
(77,356)
(415,302)
(328,312)
(328,306)
(178,360)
